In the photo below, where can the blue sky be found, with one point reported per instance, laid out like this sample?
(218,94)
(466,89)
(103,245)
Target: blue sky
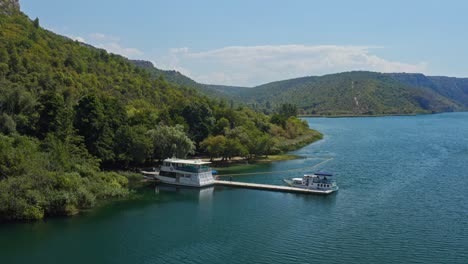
(254,42)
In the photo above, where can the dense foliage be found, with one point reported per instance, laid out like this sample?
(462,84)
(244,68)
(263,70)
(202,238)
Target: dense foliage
(68,110)
(51,177)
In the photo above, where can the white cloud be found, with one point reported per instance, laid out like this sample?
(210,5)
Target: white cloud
(252,65)
(77,38)
(112,44)
(116,48)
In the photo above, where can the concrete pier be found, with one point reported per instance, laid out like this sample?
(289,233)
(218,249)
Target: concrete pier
(268,187)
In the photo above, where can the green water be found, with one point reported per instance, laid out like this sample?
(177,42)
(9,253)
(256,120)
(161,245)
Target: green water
(403,199)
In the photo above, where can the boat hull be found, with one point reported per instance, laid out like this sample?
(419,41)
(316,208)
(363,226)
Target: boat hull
(172,181)
(291,183)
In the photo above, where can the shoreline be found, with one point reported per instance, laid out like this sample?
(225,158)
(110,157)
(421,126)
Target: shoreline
(351,115)
(246,164)
(284,155)
(379,115)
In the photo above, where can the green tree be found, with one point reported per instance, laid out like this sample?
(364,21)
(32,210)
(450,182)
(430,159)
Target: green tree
(170,141)
(36,22)
(215,146)
(199,117)
(132,145)
(233,148)
(89,119)
(54,115)
(287,110)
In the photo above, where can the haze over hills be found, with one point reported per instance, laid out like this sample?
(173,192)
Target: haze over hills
(348,93)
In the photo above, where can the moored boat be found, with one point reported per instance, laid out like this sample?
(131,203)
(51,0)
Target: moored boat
(194,173)
(318,181)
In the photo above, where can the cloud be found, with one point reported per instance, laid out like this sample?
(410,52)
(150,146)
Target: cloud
(112,44)
(77,38)
(116,48)
(252,65)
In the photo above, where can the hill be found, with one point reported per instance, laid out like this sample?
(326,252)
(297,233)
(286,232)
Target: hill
(349,93)
(352,93)
(456,89)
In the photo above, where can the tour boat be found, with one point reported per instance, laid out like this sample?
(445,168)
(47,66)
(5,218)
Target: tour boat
(194,173)
(318,181)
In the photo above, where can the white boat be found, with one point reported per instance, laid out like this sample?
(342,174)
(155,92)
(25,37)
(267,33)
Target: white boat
(318,181)
(193,173)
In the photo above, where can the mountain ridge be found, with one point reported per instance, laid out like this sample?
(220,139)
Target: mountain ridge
(346,93)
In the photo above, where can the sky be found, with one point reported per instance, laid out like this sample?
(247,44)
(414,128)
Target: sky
(252,42)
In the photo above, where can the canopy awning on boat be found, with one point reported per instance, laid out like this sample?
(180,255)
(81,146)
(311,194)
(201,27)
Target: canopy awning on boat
(323,174)
(189,162)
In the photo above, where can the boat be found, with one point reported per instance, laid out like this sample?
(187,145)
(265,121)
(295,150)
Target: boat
(185,172)
(320,181)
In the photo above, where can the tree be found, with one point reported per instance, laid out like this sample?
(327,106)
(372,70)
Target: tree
(199,117)
(89,121)
(265,144)
(221,125)
(215,146)
(54,115)
(170,141)
(287,110)
(36,22)
(233,148)
(7,124)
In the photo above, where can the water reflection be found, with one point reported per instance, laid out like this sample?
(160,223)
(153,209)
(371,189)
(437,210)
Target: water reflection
(204,194)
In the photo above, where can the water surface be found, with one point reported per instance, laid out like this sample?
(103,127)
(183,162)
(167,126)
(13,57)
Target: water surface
(403,198)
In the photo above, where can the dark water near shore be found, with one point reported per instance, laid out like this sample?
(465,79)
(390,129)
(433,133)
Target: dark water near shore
(403,199)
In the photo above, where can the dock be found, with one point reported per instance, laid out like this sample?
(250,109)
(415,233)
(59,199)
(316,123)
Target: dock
(268,187)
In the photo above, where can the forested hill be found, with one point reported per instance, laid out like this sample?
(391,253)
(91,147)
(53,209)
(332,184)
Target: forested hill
(456,89)
(360,93)
(68,110)
(349,93)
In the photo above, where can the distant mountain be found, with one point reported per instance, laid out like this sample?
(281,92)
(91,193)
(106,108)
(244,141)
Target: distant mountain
(348,93)
(455,89)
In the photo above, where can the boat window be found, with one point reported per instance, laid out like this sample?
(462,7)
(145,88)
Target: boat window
(167,174)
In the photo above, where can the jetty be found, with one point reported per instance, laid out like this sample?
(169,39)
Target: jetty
(269,187)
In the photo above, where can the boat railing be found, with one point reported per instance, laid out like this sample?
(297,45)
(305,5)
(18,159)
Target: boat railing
(194,169)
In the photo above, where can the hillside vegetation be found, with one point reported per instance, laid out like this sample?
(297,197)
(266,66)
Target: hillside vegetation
(68,110)
(349,93)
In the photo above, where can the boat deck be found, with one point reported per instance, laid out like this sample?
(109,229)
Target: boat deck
(268,187)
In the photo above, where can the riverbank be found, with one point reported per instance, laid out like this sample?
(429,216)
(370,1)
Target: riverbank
(238,163)
(375,115)
(310,137)
(285,145)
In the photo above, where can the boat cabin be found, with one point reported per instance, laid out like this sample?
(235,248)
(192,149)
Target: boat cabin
(186,172)
(319,181)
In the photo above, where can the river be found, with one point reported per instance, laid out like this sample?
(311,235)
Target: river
(403,198)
